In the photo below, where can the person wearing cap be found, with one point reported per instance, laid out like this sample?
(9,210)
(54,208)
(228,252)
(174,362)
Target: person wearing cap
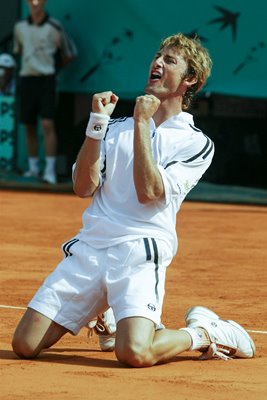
(44,47)
(7,75)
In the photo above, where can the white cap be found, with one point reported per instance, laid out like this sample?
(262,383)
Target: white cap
(7,61)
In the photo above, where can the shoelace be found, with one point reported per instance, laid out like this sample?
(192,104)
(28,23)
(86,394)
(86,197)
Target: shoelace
(106,339)
(91,327)
(214,352)
(97,327)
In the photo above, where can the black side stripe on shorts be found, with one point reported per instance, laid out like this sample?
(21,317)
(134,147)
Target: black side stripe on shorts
(156,260)
(67,246)
(147,247)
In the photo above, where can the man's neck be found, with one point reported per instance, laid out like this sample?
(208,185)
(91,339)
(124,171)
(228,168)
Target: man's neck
(167,110)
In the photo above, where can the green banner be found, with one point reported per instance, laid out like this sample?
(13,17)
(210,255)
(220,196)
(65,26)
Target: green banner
(116,41)
(7,132)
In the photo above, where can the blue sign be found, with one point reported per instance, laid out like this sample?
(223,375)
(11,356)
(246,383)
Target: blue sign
(7,132)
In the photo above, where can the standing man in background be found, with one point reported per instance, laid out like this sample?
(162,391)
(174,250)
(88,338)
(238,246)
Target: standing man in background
(44,47)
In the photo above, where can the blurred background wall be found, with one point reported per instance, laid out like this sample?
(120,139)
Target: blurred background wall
(116,42)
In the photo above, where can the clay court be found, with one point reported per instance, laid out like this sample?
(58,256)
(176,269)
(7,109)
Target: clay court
(221,264)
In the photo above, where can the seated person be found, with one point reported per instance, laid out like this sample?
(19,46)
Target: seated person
(7,75)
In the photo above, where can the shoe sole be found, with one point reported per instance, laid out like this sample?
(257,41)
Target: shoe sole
(107,349)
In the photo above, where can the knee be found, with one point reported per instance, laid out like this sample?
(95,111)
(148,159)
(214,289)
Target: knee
(22,348)
(134,355)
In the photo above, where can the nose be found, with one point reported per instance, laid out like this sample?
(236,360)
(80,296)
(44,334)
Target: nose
(157,63)
(159,60)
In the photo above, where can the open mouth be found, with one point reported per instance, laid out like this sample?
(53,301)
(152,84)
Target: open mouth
(155,76)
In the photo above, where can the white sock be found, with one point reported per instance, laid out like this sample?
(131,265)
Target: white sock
(33,164)
(50,164)
(199,336)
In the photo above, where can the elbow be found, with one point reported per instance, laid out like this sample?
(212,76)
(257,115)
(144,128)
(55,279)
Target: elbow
(82,195)
(143,199)
(83,192)
(148,190)
(84,187)
(148,197)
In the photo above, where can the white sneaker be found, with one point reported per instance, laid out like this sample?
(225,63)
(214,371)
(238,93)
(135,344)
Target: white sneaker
(31,174)
(228,339)
(50,177)
(105,327)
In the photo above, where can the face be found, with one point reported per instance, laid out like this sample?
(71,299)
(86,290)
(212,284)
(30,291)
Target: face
(166,74)
(36,5)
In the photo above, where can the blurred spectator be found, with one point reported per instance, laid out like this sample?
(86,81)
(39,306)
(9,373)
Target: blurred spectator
(45,48)
(7,75)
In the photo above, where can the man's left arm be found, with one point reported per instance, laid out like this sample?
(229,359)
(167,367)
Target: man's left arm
(147,178)
(67,49)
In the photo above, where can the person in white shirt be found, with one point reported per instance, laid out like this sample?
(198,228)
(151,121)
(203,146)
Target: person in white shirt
(44,47)
(138,170)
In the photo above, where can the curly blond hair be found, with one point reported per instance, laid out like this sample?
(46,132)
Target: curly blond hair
(197,58)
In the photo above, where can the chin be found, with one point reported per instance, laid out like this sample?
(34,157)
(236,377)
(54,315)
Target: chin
(150,90)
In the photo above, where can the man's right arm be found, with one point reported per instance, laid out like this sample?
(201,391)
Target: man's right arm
(86,173)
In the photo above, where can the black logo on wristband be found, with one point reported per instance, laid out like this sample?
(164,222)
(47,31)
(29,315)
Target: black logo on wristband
(97,128)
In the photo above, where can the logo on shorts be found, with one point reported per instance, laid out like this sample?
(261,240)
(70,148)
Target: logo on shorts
(151,307)
(97,128)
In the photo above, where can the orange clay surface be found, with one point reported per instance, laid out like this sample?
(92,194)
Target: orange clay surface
(221,264)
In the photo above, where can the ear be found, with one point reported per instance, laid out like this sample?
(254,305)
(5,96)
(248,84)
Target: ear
(190,80)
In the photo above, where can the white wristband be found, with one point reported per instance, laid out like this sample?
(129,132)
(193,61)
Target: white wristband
(97,126)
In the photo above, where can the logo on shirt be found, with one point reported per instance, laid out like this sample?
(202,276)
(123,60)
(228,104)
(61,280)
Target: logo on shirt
(187,186)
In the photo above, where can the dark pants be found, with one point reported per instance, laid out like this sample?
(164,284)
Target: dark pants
(37,98)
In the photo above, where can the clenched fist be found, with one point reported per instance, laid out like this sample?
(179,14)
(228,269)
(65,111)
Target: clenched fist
(104,103)
(145,107)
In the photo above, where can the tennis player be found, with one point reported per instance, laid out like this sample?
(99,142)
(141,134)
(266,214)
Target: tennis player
(138,170)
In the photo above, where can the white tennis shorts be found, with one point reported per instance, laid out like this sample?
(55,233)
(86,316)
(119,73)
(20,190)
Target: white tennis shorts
(129,277)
